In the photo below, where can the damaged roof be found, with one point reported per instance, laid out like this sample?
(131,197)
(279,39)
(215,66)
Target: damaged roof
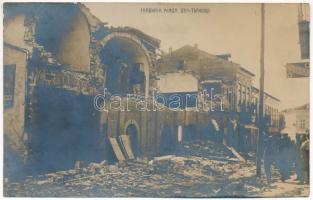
(203,64)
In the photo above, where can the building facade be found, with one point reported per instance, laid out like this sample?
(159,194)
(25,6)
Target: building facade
(297,121)
(234,95)
(53,82)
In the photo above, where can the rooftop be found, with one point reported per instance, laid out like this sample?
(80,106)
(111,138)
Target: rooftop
(267,94)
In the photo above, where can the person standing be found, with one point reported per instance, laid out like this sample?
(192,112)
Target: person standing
(269,155)
(298,157)
(305,147)
(285,157)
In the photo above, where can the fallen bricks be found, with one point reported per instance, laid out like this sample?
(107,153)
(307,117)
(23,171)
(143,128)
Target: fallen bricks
(188,175)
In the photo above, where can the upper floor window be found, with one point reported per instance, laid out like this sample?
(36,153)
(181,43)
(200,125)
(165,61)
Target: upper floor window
(9,85)
(244,94)
(240,93)
(302,123)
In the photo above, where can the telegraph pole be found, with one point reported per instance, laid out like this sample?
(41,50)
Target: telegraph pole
(261,97)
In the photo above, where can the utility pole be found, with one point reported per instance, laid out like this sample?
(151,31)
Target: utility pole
(261,97)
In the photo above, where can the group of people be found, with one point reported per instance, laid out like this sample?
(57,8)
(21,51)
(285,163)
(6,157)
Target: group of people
(287,156)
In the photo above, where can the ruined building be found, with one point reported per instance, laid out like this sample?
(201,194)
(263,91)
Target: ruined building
(58,57)
(232,82)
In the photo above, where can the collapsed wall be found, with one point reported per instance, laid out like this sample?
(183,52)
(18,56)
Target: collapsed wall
(67,64)
(58,122)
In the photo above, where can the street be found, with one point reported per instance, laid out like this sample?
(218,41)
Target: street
(203,169)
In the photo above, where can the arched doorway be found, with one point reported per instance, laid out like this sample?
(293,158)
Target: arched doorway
(167,142)
(126,63)
(132,131)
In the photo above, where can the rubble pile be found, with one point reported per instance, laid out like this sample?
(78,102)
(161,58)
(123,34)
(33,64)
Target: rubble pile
(166,176)
(206,149)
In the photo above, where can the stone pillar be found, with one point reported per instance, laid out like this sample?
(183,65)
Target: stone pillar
(180,134)
(225,131)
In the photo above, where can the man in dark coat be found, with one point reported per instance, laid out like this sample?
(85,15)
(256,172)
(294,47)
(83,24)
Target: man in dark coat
(305,147)
(285,157)
(298,157)
(269,156)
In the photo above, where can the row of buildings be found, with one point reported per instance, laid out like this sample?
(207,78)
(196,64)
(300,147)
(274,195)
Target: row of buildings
(191,70)
(58,57)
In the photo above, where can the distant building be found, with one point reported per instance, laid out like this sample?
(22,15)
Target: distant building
(297,120)
(178,85)
(233,85)
(271,108)
(229,79)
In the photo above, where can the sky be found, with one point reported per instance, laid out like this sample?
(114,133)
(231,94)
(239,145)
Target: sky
(226,28)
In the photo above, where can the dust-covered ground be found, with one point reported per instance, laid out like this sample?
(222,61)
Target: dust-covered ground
(201,169)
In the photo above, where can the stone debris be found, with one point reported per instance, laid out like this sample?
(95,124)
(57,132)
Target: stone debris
(78,164)
(233,150)
(206,149)
(188,175)
(161,158)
